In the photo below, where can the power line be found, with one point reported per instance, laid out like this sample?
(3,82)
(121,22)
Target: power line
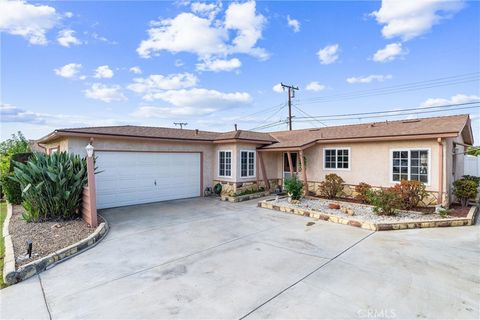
(392,115)
(393,111)
(420,85)
(271,116)
(308,115)
(259,111)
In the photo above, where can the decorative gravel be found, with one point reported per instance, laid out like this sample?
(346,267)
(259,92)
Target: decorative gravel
(47,237)
(361,212)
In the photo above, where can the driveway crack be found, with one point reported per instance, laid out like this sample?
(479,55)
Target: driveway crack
(306,276)
(44,297)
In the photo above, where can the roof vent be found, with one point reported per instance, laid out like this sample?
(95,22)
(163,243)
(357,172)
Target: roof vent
(196,132)
(235,126)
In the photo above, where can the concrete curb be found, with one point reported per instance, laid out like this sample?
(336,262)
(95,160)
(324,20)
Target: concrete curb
(446,222)
(245,197)
(9,258)
(12,276)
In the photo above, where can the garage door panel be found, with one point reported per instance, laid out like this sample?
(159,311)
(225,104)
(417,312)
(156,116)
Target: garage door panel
(141,177)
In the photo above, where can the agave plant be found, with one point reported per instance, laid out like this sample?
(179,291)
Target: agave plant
(52,185)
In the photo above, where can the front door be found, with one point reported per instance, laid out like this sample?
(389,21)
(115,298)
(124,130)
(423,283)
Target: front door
(286,165)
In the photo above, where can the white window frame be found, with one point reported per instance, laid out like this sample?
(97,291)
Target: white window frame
(231,163)
(336,149)
(254,163)
(429,153)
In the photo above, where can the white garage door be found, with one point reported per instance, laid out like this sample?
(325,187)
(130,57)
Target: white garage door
(128,178)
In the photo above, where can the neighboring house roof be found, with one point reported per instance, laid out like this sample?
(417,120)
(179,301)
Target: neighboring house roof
(446,125)
(450,126)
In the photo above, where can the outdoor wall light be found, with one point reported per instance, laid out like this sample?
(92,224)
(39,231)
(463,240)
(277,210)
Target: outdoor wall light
(29,248)
(89,149)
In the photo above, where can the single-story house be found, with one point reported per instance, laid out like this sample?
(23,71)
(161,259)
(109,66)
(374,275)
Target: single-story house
(148,164)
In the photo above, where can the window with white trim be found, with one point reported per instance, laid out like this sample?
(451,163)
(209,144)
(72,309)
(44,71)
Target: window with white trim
(225,163)
(410,164)
(247,163)
(336,159)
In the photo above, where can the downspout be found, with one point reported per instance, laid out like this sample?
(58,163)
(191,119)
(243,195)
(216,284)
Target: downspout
(440,171)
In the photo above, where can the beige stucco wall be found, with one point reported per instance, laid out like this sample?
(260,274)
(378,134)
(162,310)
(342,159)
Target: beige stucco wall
(62,144)
(370,162)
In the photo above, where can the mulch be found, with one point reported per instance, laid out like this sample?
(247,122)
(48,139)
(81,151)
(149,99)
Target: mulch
(456,210)
(46,237)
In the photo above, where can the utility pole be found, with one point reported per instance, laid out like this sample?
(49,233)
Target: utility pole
(181,124)
(291,94)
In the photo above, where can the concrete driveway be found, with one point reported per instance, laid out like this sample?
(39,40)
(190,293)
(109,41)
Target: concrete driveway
(202,258)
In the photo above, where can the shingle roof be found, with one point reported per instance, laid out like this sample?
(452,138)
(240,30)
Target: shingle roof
(246,135)
(145,132)
(285,139)
(422,126)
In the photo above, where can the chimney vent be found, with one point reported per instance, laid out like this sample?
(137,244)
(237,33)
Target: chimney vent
(235,126)
(196,132)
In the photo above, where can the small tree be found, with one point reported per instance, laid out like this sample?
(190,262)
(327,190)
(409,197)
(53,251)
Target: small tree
(362,191)
(332,186)
(464,190)
(294,187)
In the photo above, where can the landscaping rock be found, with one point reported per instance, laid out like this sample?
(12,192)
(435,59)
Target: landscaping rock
(335,206)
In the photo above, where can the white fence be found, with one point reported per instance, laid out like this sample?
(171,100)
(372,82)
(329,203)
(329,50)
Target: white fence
(472,166)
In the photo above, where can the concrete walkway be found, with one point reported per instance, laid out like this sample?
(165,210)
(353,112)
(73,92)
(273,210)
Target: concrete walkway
(202,258)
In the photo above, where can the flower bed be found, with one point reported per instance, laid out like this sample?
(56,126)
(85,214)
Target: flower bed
(52,242)
(363,216)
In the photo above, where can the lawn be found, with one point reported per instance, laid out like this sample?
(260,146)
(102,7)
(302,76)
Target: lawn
(3,215)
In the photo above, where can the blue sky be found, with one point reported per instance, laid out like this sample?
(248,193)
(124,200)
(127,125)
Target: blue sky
(213,64)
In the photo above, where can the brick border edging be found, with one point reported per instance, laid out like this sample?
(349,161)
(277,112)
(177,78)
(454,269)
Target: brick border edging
(245,197)
(447,222)
(12,275)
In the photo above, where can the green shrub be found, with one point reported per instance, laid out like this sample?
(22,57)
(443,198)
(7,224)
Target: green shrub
(52,185)
(332,186)
(17,144)
(362,191)
(11,189)
(472,178)
(294,187)
(411,193)
(464,190)
(385,201)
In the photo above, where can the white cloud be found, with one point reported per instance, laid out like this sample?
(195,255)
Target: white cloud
(390,52)
(219,65)
(370,78)
(136,70)
(67,38)
(103,72)
(184,33)
(157,83)
(277,88)
(148,112)
(242,18)
(69,70)
(315,86)
(105,93)
(206,37)
(203,98)
(294,24)
(411,18)
(98,37)
(207,10)
(456,99)
(27,20)
(329,54)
